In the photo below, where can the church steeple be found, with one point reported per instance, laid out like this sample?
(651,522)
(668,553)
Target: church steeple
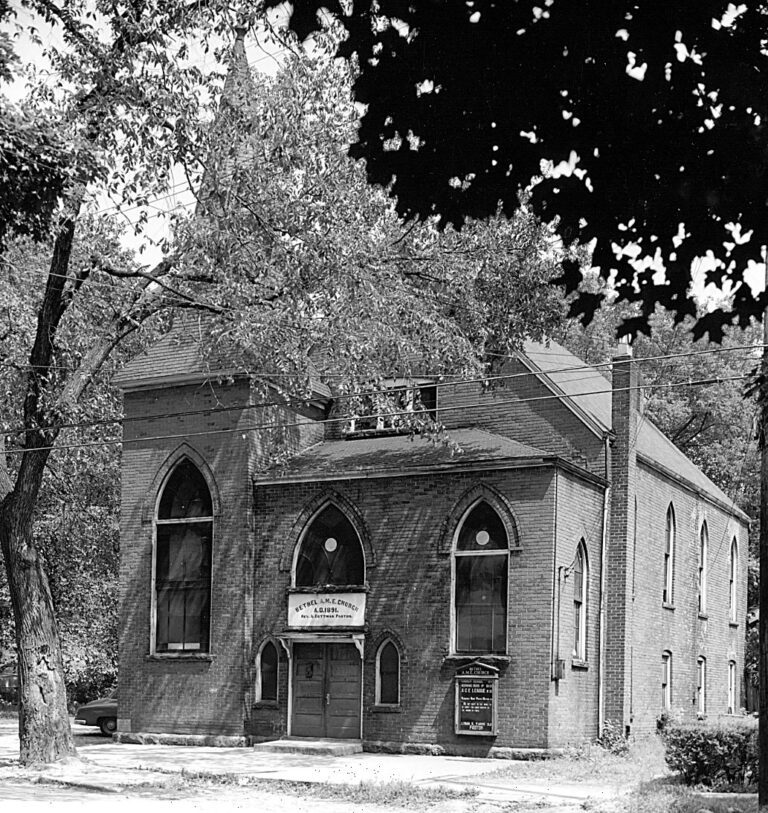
(227,152)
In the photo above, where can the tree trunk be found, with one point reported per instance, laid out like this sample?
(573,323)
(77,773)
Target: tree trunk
(44,732)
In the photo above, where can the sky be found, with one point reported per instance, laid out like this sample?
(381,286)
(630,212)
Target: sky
(264,53)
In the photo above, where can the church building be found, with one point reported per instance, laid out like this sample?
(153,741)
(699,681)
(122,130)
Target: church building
(291,570)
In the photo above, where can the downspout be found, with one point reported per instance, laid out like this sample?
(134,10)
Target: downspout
(601,619)
(555,645)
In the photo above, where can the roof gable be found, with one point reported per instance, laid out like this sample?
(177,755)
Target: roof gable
(589,391)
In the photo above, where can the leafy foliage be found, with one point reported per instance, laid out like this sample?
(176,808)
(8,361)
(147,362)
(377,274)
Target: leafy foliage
(660,109)
(288,247)
(721,757)
(309,255)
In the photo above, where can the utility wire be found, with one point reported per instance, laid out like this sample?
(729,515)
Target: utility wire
(299,400)
(345,419)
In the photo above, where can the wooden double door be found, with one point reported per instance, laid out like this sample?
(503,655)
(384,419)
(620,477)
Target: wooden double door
(326,690)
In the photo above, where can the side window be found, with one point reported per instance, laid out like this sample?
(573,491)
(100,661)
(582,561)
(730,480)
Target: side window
(732,688)
(580,595)
(481,565)
(182,563)
(266,666)
(701,685)
(733,581)
(702,575)
(666,680)
(388,674)
(667,596)
(330,552)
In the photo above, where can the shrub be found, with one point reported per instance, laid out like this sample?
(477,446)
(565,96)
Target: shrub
(722,756)
(613,739)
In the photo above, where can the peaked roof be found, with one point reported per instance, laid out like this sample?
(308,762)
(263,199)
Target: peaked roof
(179,357)
(590,392)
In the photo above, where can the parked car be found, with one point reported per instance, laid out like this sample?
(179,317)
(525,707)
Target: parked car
(101,712)
(9,684)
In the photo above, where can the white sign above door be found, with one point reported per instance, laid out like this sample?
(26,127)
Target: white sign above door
(326,610)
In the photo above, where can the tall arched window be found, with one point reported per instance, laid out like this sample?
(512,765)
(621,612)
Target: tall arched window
(580,596)
(330,552)
(733,570)
(666,680)
(267,660)
(732,687)
(703,547)
(667,596)
(182,567)
(388,674)
(481,563)
(701,685)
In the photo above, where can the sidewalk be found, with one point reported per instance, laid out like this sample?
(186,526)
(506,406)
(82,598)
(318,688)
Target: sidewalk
(114,767)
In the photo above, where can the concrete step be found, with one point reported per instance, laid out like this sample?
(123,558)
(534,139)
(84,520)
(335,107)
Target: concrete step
(309,745)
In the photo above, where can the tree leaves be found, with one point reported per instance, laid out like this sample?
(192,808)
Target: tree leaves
(661,110)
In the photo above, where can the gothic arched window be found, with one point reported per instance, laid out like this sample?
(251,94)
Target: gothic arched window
(702,570)
(388,674)
(580,599)
(330,552)
(667,596)
(481,564)
(733,577)
(182,562)
(267,672)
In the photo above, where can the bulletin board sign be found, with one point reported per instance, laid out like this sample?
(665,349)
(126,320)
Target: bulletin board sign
(476,700)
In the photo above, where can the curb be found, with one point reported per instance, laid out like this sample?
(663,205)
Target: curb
(73,783)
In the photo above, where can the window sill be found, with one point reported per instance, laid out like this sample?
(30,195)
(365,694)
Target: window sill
(703,616)
(734,624)
(384,709)
(667,606)
(266,704)
(577,663)
(330,588)
(181,656)
(477,656)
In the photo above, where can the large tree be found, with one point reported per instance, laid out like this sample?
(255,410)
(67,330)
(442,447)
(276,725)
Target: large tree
(662,109)
(288,248)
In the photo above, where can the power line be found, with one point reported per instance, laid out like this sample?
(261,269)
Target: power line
(345,419)
(299,400)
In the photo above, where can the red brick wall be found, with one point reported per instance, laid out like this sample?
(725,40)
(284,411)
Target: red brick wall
(545,423)
(171,695)
(681,630)
(574,700)
(410,595)
(620,550)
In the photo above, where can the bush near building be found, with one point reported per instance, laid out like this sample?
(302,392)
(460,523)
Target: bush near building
(722,756)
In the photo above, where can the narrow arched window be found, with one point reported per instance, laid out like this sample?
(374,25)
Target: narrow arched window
(701,685)
(388,674)
(666,680)
(580,594)
(267,672)
(667,596)
(702,579)
(481,563)
(733,570)
(330,552)
(732,687)
(182,567)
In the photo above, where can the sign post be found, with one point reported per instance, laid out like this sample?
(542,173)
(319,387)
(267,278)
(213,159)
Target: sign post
(476,700)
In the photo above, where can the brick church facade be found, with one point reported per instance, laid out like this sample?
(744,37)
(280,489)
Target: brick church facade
(568,566)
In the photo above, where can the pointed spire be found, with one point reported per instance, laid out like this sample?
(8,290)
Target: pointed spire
(238,82)
(227,150)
